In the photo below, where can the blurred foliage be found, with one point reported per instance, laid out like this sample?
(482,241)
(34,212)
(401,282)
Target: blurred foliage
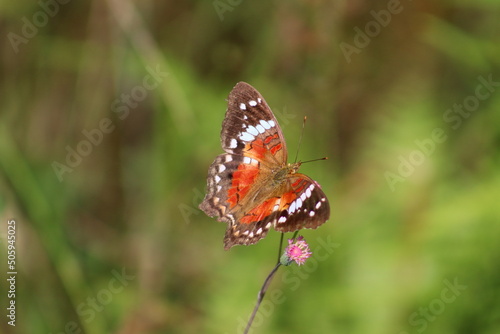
(114,241)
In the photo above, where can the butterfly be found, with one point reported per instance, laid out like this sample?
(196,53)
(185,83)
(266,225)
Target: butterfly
(251,187)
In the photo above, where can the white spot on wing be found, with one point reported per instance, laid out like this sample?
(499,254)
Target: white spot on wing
(265,124)
(250,161)
(308,190)
(217,178)
(259,99)
(243,106)
(260,128)
(219,188)
(282,219)
(259,231)
(299,202)
(292,208)
(311,213)
(222,168)
(318,205)
(271,123)
(233,143)
(245,136)
(252,130)
(252,103)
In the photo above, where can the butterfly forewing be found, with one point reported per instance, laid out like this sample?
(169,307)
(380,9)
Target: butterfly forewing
(251,187)
(250,127)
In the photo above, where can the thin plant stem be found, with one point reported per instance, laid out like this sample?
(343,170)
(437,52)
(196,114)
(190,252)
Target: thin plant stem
(261,295)
(281,245)
(266,284)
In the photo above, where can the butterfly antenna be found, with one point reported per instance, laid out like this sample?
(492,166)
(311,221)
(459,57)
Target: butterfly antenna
(324,158)
(300,139)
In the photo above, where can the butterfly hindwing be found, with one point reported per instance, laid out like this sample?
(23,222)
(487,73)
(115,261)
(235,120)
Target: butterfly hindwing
(219,181)
(231,186)
(299,203)
(304,205)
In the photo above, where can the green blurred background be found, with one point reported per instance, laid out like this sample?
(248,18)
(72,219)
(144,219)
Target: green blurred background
(403,97)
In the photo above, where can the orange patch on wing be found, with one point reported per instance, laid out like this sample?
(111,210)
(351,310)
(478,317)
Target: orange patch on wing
(269,138)
(296,184)
(243,178)
(276,148)
(256,149)
(286,199)
(259,212)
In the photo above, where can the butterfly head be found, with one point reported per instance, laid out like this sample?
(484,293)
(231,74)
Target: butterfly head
(282,173)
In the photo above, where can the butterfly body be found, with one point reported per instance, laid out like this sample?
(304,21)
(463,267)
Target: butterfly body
(251,186)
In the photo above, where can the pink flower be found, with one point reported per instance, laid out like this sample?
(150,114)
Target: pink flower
(297,250)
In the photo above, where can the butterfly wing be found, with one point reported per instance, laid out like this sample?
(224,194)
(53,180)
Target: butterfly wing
(297,203)
(237,179)
(250,128)
(303,205)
